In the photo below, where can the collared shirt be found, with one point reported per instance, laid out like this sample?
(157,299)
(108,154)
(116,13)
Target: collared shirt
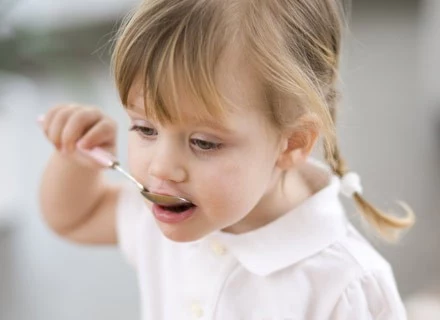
(309,264)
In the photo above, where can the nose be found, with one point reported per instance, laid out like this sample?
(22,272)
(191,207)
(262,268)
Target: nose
(166,163)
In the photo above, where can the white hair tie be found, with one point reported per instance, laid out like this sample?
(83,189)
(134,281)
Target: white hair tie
(351,184)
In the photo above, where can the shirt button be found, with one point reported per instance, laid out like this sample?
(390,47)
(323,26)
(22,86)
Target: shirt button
(196,310)
(218,248)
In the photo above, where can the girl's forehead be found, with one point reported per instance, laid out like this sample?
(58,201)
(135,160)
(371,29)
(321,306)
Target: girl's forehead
(237,79)
(236,83)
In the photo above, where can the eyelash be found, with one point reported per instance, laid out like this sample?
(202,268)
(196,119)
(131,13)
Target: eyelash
(140,130)
(196,142)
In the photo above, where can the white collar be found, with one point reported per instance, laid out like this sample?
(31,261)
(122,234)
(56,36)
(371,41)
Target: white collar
(305,230)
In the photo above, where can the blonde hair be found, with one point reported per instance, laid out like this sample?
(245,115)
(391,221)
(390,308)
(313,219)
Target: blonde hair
(294,45)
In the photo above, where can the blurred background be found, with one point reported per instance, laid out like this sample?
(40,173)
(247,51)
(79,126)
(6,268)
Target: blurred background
(58,51)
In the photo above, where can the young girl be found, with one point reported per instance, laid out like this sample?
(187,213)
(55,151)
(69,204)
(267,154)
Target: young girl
(227,99)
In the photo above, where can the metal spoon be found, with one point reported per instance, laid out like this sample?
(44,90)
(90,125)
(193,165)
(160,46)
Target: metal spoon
(107,159)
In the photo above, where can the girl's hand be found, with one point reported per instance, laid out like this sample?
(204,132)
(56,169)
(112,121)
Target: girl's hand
(73,128)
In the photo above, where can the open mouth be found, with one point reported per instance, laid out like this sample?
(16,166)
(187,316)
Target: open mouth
(179,208)
(174,213)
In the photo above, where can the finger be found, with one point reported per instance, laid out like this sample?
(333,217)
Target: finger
(77,125)
(101,134)
(57,124)
(48,117)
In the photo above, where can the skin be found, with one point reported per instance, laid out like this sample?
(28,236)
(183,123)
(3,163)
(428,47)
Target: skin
(231,169)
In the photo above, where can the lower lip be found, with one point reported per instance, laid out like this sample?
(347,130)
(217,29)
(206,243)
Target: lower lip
(170,217)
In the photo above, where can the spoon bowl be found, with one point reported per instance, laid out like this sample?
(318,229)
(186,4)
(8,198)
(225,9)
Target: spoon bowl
(162,200)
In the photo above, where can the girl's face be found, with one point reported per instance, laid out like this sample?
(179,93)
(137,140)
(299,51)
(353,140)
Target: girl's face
(226,169)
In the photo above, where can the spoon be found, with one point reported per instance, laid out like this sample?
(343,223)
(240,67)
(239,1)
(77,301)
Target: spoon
(107,160)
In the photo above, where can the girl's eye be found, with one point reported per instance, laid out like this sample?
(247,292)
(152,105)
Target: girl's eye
(205,145)
(144,131)
(147,132)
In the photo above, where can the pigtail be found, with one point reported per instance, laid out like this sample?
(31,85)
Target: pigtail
(389,227)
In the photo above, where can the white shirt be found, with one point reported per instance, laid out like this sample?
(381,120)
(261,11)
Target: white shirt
(310,264)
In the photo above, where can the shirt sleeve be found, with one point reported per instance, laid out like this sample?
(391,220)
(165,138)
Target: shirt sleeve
(128,213)
(372,297)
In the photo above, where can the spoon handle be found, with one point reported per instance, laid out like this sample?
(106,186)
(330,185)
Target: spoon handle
(108,160)
(130,177)
(103,157)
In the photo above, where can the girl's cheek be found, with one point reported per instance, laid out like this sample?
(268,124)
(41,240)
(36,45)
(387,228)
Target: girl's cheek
(225,182)
(137,160)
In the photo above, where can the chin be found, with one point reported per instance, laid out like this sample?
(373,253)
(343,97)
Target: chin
(180,235)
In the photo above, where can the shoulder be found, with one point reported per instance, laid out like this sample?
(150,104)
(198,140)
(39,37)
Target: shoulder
(359,282)
(373,295)
(354,253)
(347,259)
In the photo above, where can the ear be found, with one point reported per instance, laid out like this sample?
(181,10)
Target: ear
(298,142)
